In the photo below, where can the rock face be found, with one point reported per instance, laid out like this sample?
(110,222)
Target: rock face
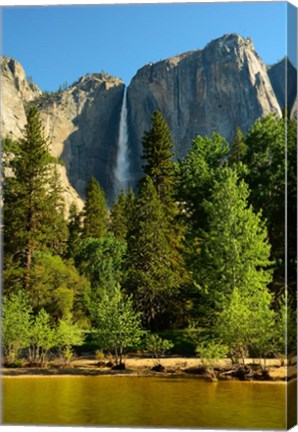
(82,123)
(284,88)
(16,91)
(219,88)
(222,87)
(294,110)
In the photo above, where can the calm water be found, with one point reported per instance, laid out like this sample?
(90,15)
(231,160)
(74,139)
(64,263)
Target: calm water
(135,401)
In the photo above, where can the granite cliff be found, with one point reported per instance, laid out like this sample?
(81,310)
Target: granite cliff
(283,77)
(219,88)
(83,123)
(16,92)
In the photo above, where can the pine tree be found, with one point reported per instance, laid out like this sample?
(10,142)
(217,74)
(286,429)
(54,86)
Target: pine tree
(119,216)
(55,218)
(238,148)
(149,268)
(74,229)
(158,154)
(30,202)
(95,211)
(130,205)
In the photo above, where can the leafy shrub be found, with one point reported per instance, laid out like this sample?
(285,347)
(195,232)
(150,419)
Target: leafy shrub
(158,346)
(210,352)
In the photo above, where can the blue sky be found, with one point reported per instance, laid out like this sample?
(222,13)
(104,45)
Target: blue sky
(60,44)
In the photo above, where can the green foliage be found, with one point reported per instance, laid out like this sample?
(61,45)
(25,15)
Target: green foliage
(42,338)
(121,214)
(285,329)
(159,167)
(210,352)
(157,346)
(48,97)
(68,335)
(183,343)
(9,145)
(15,326)
(54,221)
(247,323)
(149,274)
(74,230)
(234,252)
(158,154)
(100,260)
(196,174)
(265,158)
(58,288)
(20,330)
(95,223)
(194,243)
(33,208)
(238,148)
(118,326)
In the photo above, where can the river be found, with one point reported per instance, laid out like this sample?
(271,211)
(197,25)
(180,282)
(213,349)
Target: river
(143,401)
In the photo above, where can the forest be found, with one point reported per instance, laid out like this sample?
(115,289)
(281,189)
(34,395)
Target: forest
(203,249)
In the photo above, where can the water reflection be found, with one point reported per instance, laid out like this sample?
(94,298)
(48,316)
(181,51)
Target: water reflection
(135,401)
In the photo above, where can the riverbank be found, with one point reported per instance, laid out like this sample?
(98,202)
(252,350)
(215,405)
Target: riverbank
(172,366)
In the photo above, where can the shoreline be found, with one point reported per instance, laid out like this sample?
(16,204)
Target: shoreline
(142,367)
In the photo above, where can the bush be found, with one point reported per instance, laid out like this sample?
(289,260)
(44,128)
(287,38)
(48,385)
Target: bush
(210,352)
(157,346)
(68,335)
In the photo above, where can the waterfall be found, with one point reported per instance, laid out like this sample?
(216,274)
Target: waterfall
(122,162)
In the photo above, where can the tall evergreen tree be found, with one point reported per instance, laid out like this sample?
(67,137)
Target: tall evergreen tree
(55,219)
(119,216)
(95,211)
(238,148)
(74,229)
(149,270)
(158,154)
(30,202)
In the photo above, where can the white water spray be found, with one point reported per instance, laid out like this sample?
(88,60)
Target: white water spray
(122,163)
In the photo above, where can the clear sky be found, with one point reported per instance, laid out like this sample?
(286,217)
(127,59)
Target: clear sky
(60,44)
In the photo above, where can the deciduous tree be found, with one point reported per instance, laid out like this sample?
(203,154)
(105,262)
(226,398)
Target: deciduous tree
(118,324)
(234,251)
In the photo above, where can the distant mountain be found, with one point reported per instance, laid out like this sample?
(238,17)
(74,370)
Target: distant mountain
(219,88)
